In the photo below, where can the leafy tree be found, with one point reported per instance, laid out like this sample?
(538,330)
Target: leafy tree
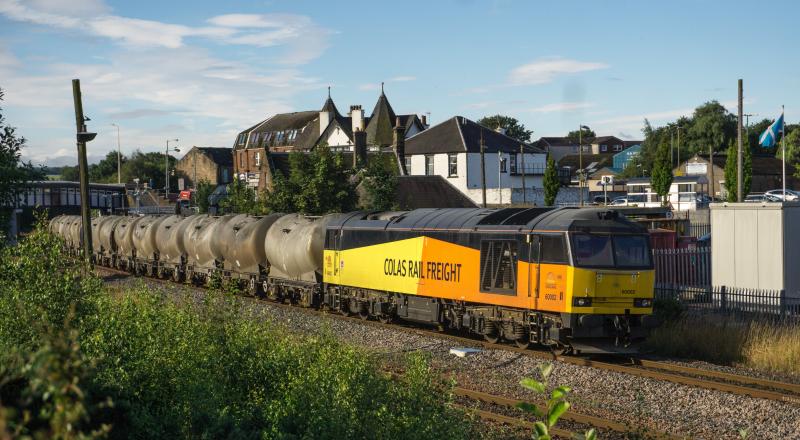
(380,182)
(105,171)
(551,183)
(13,172)
(204,190)
(149,166)
(70,174)
(241,199)
(731,171)
(584,135)
(280,198)
(318,183)
(662,172)
(712,126)
(512,126)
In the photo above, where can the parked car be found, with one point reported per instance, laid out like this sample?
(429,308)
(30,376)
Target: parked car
(703,200)
(761,198)
(619,201)
(601,200)
(704,240)
(789,197)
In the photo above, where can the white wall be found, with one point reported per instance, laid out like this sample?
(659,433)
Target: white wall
(500,187)
(338,138)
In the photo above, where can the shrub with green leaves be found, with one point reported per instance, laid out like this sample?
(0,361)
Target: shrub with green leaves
(142,364)
(556,405)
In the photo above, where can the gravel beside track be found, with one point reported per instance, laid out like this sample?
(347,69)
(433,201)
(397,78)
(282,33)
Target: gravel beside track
(644,404)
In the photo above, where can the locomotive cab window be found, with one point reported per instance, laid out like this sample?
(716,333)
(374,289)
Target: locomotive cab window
(554,249)
(498,266)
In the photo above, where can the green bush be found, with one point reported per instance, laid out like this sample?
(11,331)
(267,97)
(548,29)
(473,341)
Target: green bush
(145,365)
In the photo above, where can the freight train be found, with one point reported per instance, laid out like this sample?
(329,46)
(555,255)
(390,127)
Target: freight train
(567,278)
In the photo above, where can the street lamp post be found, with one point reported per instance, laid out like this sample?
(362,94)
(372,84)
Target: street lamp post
(119,157)
(580,160)
(166,167)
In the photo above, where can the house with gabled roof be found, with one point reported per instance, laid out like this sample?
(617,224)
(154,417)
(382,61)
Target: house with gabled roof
(305,130)
(452,149)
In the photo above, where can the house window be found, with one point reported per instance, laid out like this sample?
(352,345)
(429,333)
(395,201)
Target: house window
(513,158)
(258,158)
(617,147)
(585,148)
(429,165)
(503,164)
(241,160)
(452,165)
(254,140)
(241,139)
(603,148)
(408,164)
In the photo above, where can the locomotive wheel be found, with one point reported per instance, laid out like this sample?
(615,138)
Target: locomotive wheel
(523,343)
(363,314)
(385,319)
(492,338)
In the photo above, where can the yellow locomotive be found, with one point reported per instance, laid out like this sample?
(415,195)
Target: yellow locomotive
(580,278)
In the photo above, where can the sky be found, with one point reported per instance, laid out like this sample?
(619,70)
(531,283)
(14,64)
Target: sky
(201,71)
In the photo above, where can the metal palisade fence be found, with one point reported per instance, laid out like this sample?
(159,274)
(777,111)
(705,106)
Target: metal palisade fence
(750,303)
(684,275)
(683,267)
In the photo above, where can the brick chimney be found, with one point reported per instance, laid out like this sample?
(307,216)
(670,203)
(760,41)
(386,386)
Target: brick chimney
(357,116)
(359,148)
(400,146)
(424,120)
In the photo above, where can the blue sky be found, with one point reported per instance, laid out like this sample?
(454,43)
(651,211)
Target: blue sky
(203,70)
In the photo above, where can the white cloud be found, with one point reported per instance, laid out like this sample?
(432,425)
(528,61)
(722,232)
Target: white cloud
(305,40)
(545,70)
(562,107)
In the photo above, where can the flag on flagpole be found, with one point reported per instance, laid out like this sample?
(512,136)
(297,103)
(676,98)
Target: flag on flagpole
(770,136)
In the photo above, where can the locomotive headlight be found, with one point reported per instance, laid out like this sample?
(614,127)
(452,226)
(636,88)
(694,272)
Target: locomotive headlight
(581,302)
(643,302)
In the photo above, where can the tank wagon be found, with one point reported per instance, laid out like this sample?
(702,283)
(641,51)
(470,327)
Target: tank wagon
(567,277)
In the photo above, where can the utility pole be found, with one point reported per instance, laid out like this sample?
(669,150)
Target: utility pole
(499,177)
(166,168)
(580,163)
(679,145)
(739,171)
(524,190)
(82,138)
(580,159)
(483,171)
(119,157)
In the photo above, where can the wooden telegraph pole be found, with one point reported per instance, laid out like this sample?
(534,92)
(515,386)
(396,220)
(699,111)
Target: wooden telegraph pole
(524,190)
(82,138)
(483,172)
(739,171)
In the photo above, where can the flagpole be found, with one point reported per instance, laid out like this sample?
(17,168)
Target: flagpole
(783,146)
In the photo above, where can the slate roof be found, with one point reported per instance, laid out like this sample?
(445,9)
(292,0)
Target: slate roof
(627,144)
(379,129)
(298,129)
(330,107)
(609,140)
(459,134)
(414,192)
(219,155)
(599,161)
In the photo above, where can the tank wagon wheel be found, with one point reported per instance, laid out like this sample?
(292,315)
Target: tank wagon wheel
(176,275)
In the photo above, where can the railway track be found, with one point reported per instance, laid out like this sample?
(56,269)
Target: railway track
(694,377)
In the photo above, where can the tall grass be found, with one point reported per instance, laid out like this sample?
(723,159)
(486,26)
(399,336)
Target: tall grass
(761,345)
(82,363)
